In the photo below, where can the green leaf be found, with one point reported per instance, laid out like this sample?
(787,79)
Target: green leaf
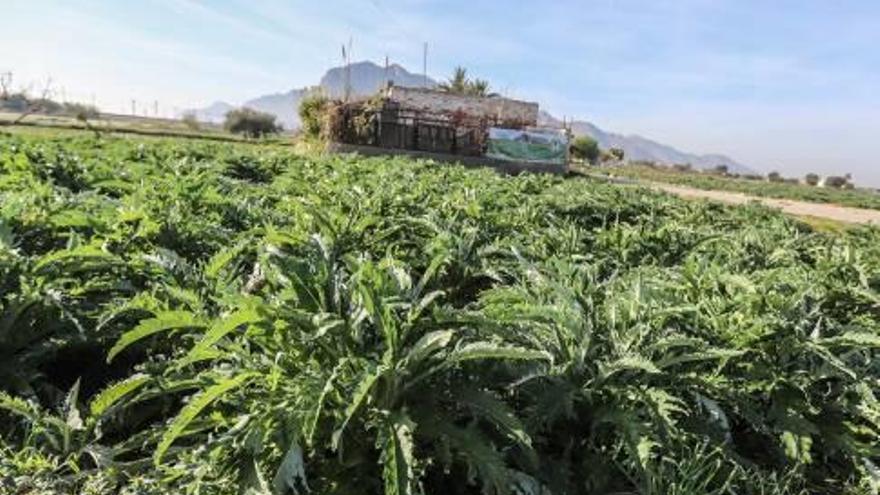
(644,449)
(490,350)
(628,363)
(191,410)
(291,473)
(110,395)
(87,252)
(221,328)
(168,320)
(360,397)
(225,256)
(430,343)
(19,407)
(397,456)
(705,355)
(496,411)
(312,423)
(854,338)
(797,447)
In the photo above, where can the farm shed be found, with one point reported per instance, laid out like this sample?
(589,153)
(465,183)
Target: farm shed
(436,122)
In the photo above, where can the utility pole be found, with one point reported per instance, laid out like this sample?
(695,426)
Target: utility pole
(345,74)
(425,64)
(133,108)
(155,108)
(348,70)
(5,83)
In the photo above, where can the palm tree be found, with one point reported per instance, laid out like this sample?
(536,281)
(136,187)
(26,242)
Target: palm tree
(460,84)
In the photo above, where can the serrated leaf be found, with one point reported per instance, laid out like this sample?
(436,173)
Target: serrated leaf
(497,412)
(644,449)
(362,392)
(854,338)
(192,410)
(223,327)
(397,456)
(168,320)
(219,261)
(628,363)
(430,343)
(87,252)
(19,406)
(312,423)
(112,394)
(490,350)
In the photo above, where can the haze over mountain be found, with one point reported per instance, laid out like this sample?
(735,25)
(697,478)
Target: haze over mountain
(640,148)
(368,77)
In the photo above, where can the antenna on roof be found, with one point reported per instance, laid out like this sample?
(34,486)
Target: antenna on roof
(425,65)
(346,58)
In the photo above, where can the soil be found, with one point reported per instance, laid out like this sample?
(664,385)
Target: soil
(800,208)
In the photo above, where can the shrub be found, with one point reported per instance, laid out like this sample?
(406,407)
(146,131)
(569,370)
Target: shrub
(311,114)
(251,123)
(835,182)
(721,169)
(191,121)
(585,148)
(81,111)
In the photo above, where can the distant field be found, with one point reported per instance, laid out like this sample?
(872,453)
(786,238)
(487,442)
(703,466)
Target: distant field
(127,124)
(859,198)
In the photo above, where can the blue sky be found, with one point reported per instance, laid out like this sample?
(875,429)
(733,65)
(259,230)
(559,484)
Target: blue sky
(780,85)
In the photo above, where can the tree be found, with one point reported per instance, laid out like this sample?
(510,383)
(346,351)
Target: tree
(721,169)
(774,176)
(617,153)
(81,111)
(461,84)
(30,105)
(191,121)
(812,179)
(250,123)
(585,148)
(311,114)
(457,83)
(836,182)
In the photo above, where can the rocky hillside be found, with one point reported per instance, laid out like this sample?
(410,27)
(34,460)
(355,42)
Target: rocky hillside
(366,79)
(640,148)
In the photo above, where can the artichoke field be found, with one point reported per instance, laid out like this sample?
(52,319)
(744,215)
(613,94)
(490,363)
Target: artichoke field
(179,316)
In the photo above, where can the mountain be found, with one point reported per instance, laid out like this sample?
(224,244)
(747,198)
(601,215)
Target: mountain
(640,148)
(282,105)
(215,112)
(367,78)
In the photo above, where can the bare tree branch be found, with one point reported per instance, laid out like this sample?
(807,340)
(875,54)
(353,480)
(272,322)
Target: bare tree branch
(37,105)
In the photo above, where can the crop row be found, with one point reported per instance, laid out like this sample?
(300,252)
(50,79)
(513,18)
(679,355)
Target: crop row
(194,317)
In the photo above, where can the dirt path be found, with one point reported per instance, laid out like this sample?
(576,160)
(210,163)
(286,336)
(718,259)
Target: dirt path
(800,208)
